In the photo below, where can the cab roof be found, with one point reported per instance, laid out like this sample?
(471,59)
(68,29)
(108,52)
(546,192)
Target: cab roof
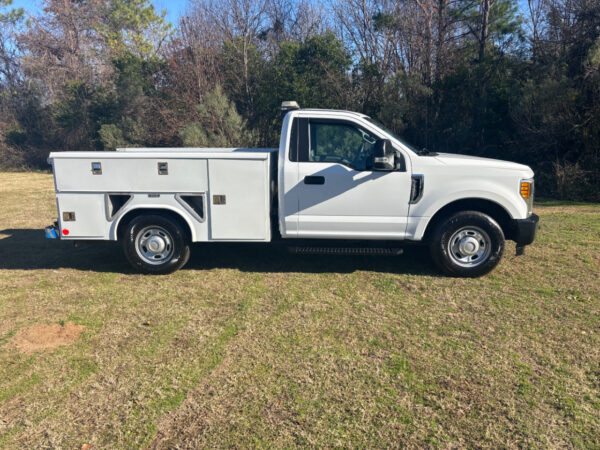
(343,111)
(292,105)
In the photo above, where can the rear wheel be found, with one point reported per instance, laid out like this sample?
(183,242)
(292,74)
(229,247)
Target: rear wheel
(468,244)
(156,244)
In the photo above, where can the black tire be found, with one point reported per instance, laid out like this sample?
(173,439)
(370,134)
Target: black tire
(155,244)
(476,248)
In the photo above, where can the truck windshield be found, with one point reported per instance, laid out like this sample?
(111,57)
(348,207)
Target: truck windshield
(391,133)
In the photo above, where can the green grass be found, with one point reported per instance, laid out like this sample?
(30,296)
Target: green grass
(254,347)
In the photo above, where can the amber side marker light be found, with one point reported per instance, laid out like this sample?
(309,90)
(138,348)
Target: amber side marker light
(525,189)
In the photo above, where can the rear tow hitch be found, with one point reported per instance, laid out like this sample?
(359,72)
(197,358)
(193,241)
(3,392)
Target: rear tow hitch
(52,231)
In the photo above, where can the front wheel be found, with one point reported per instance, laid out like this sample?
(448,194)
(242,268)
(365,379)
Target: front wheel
(155,244)
(468,244)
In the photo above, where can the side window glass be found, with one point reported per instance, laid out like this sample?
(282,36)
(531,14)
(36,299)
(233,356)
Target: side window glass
(342,143)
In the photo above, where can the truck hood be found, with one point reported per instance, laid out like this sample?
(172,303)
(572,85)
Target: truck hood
(452,159)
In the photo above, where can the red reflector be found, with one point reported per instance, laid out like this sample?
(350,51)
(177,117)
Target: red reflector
(65,232)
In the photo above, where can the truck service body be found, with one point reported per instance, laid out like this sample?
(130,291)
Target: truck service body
(337,178)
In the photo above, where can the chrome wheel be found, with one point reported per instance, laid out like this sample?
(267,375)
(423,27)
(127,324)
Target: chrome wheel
(154,245)
(469,246)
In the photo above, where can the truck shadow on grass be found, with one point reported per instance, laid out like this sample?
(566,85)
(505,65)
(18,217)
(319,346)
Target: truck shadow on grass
(28,249)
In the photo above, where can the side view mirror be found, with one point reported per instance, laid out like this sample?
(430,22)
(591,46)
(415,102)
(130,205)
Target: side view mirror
(383,155)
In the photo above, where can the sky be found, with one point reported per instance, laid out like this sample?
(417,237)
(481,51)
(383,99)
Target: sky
(174,8)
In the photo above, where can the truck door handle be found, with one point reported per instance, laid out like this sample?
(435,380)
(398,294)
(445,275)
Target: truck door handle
(314,180)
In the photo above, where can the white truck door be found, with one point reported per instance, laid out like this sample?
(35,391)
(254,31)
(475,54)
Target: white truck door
(339,195)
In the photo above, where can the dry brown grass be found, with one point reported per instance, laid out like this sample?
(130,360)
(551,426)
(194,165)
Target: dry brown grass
(249,346)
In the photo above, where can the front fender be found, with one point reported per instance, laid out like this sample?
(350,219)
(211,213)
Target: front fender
(440,195)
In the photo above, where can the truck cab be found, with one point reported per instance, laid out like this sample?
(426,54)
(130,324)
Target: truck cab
(338,179)
(330,185)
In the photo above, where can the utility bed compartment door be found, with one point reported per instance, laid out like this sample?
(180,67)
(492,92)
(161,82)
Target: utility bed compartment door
(239,199)
(134,174)
(90,220)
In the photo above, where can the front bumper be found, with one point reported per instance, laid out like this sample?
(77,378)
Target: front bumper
(525,230)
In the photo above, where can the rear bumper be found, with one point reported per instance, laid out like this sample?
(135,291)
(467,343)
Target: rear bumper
(525,230)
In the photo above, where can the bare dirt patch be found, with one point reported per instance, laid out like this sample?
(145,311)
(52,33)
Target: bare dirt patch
(42,336)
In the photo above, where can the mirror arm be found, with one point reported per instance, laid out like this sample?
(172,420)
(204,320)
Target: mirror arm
(399,164)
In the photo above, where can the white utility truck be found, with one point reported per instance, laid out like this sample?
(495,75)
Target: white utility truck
(338,183)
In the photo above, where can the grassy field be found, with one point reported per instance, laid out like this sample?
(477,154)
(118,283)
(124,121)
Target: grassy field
(253,347)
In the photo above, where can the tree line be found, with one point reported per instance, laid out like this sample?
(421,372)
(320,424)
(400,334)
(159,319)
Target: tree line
(483,77)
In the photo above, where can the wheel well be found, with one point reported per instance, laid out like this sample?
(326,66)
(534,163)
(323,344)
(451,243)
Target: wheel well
(492,209)
(148,211)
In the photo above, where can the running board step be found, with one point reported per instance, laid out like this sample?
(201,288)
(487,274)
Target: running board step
(346,251)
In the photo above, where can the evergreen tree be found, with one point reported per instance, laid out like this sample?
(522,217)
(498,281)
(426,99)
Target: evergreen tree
(220,125)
